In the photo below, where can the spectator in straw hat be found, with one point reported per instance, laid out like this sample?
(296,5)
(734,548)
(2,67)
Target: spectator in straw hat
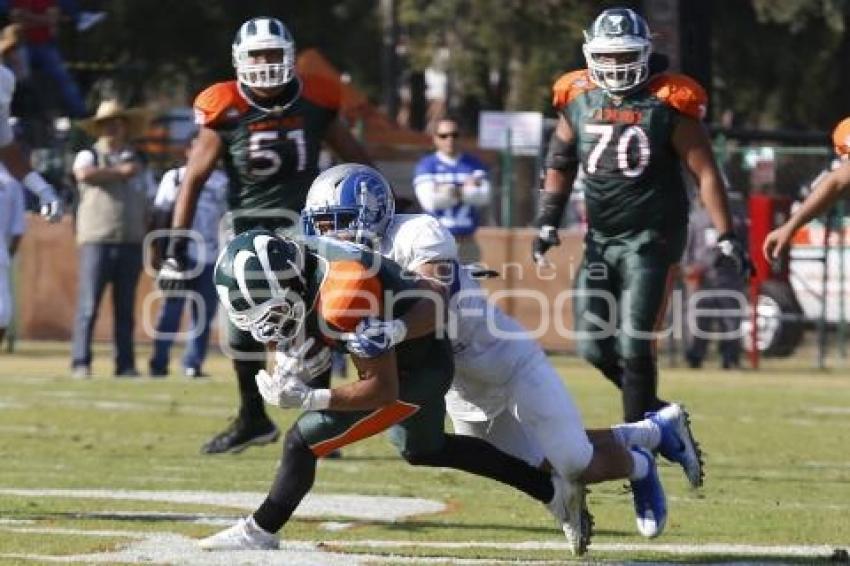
(111,224)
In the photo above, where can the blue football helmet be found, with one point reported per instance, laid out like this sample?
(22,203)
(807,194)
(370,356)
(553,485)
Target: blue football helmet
(350,201)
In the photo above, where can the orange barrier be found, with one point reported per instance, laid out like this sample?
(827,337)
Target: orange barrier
(47,284)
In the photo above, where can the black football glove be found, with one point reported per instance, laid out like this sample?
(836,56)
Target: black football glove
(173,275)
(550,208)
(732,253)
(546,237)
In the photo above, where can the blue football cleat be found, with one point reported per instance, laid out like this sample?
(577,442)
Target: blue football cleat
(649,499)
(677,442)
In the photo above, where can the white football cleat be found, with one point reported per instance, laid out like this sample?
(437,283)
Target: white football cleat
(246,534)
(570,511)
(649,499)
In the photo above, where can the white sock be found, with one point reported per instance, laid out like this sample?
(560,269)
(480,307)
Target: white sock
(640,466)
(645,434)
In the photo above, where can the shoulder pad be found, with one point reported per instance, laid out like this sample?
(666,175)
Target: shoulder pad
(219,103)
(841,137)
(569,86)
(680,92)
(322,91)
(349,293)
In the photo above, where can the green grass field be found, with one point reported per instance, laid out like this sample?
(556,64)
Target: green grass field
(777,481)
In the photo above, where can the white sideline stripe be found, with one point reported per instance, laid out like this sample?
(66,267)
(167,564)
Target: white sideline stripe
(167,548)
(688,549)
(367,508)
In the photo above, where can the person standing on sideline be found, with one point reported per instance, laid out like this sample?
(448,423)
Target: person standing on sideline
(12,225)
(111,224)
(453,186)
(16,159)
(212,205)
(721,290)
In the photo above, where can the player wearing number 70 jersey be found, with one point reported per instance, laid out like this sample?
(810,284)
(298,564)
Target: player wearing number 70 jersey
(267,127)
(630,129)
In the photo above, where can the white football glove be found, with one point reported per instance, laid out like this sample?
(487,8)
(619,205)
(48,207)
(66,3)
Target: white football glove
(50,206)
(285,387)
(373,337)
(308,368)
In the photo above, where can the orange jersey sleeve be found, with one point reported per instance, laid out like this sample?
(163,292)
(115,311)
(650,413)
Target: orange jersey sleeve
(348,294)
(218,103)
(322,91)
(569,86)
(681,92)
(841,137)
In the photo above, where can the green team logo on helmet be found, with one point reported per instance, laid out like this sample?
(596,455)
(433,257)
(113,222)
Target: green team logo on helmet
(260,281)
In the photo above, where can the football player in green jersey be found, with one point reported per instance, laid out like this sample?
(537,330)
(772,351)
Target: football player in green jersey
(290,293)
(267,126)
(630,130)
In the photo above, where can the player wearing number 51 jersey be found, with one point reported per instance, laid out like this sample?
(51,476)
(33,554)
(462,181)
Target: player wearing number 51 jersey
(630,130)
(267,126)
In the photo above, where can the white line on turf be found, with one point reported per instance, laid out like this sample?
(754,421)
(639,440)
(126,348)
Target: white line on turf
(166,548)
(362,507)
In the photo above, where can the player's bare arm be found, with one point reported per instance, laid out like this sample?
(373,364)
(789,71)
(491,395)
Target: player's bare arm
(202,161)
(828,191)
(344,145)
(424,316)
(377,386)
(691,142)
(13,157)
(97,175)
(561,170)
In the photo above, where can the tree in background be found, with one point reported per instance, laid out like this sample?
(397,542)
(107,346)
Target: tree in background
(781,63)
(157,46)
(499,55)
(777,63)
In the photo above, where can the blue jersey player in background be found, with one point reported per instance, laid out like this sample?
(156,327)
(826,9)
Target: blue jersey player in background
(453,187)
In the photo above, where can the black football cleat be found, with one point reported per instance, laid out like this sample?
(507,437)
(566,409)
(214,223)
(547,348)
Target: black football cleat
(240,435)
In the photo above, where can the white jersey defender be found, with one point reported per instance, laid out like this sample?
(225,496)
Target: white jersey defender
(504,390)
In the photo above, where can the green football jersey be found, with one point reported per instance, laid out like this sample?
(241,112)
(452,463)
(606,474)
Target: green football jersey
(632,175)
(270,158)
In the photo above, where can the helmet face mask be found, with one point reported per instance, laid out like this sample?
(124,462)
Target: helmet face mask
(264,53)
(279,323)
(349,202)
(259,279)
(617,49)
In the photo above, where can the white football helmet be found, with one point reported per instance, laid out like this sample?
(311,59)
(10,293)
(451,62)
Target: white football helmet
(617,49)
(259,34)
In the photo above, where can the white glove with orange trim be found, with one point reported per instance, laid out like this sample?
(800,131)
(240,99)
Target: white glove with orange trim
(285,387)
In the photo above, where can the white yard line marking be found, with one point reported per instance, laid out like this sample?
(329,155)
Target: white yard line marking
(166,548)
(360,507)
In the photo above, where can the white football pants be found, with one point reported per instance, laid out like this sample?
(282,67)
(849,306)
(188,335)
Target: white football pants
(539,419)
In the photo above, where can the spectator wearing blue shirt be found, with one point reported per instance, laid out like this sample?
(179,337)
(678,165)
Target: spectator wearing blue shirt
(453,187)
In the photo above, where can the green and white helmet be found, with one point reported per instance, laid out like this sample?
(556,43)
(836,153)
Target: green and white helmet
(260,281)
